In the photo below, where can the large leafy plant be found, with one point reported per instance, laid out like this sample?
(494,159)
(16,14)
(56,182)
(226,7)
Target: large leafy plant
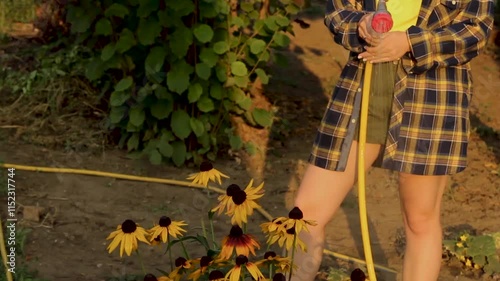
(175,71)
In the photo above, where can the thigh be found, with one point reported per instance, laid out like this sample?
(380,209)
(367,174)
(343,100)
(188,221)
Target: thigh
(421,195)
(322,191)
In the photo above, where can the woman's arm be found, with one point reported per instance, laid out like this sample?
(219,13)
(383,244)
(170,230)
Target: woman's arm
(342,20)
(455,44)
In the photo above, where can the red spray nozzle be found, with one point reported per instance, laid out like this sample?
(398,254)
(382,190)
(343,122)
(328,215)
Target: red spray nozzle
(382,19)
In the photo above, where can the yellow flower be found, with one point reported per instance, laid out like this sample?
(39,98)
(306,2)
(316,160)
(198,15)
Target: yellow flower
(286,239)
(464,237)
(243,243)
(207,173)
(468,263)
(205,262)
(273,226)
(477,266)
(216,275)
(244,203)
(165,228)
(242,261)
(126,235)
(226,200)
(296,219)
(151,277)
(282,264)
(181,266)
(460,244)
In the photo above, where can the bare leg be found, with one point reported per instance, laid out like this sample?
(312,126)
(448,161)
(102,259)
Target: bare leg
(320,194)
(420,203)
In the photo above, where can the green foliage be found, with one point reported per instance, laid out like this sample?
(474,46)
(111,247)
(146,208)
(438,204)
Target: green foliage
(15,11)
(477,252)
(175,71)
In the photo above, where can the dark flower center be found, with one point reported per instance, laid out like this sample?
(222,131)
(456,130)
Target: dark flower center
(231,189)
(180,261)
(206,166)
(205,261)
(165,221)
(279,277)
(157,238)
(269,254)
(129,226)
(358,275)
(235,232)
(296,214)
(150,277)
(241,259)
(291,231)
(239,196)
(216,274)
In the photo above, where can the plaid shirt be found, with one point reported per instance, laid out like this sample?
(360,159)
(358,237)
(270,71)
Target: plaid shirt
(429,123)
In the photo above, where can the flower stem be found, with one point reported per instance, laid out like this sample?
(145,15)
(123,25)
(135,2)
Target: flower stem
(140,260)
(270,271)
(184,249)
(213,233)
(171,258)
(293,254)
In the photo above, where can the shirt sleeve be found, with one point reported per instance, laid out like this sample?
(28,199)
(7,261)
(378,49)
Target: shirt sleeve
(456,43)
(342,20)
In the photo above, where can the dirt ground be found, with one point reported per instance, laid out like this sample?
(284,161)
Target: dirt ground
(69,244)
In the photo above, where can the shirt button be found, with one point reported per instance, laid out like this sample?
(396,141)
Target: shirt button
(454,2)
(359,89)
(353,120)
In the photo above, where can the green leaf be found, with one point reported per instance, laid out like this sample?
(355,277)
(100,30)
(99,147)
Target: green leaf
(281,39)
(238,21)
(238,68)
(94,69)
(221,47)
(116,10)
(271,23)
(262,75)
(146,7)
(292,9)
(117,113)
(197,126)
(263,117)
(250,148)
(203,70)
(124,84)
(236,94)
(181,8)
(245,103)
(118,98)
(180,40)
(221,73)
(235,142)
(133,142)
(165,148)
(205,104)
(282,20)
(179,153)
(209,57)
(216,91)
(80,19)
(162,109)
(257,46)
(247,6)
(241,81)
(194,93)
(180,124)
(103,27)
(108,51)
(137,116)
(155,59)
(162,93)
(155,157)
(207,10)
(126,41)
(148,31)
(203,33)
(178,77)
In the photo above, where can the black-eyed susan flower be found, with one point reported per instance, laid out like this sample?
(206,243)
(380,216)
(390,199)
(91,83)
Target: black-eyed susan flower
(216,275)
(165,228)
(226,200)
(151,277)
(205,262)
(358,275)
(279,277)
(242,262)
(182,265)
(282,264)
(126,235)
(296,220)
(244,203)
(286,239)
(207,173)
(244,244)
(276,225)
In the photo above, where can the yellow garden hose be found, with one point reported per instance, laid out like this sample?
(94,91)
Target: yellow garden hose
(3,251)
(169,182)
(361,172)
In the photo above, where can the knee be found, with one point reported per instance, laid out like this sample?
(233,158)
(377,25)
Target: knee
(422,222)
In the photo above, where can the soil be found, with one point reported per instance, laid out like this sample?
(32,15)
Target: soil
(79,211)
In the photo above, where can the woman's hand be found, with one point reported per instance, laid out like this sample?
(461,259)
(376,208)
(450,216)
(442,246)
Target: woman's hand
(363,30)
(391,47)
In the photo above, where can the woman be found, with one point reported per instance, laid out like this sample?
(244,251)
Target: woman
(424,134)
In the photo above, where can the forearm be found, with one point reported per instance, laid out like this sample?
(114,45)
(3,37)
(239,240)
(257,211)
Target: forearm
(342,20)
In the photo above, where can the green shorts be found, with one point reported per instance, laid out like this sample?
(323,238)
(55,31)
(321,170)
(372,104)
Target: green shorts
(380,104)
